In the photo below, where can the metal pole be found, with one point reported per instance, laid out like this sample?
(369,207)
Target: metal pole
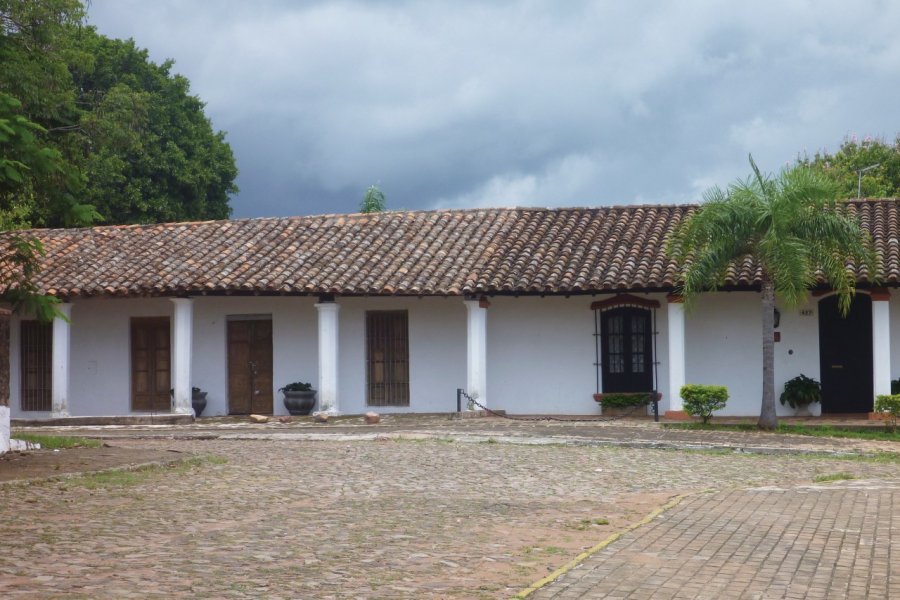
(459,393)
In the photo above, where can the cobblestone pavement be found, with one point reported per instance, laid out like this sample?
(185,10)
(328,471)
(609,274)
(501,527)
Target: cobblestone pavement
(385,518)
(813,541)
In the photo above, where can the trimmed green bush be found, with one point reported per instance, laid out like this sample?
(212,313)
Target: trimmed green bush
(702,400)
(624,399)
(800,391)
(891,406)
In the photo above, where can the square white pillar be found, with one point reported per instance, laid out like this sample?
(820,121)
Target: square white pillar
(881,342)
(5,317)
(476,350)
(182,334)
(675,320)
(328,356)
(60,357)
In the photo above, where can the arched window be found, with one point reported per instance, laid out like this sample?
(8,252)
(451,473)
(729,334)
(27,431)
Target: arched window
(625,344)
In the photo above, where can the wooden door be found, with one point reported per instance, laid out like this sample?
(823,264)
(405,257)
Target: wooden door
(845,355)
(151,353)
(250,367)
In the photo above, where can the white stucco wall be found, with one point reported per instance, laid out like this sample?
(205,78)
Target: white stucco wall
(724,347)
(541,354)
(540,350)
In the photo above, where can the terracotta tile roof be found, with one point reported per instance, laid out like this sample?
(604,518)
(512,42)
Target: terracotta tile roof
(520,250)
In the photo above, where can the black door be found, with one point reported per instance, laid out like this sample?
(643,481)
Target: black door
(845,355)
(627,350)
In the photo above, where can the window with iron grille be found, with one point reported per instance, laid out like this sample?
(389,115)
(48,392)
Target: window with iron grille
(387,358)
(36,342)
(626,351)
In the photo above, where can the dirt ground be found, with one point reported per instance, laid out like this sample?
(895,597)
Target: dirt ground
(39,464)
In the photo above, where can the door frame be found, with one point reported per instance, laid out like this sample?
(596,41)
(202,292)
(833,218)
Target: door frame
(245,318)
(135,321)
(862,404)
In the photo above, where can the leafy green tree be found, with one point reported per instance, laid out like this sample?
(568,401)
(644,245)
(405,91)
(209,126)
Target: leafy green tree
(373,201)
(791,225)
(151,152)
(843,167)
(126,125)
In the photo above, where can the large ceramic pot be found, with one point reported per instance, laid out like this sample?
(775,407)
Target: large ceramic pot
(198,402)
(299,403)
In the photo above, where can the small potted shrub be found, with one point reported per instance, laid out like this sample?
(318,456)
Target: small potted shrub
(198,400)
(702,400)
(623,403)
(803,394)
(299,398)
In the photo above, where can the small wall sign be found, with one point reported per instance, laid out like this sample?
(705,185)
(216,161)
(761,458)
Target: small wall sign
(806,312)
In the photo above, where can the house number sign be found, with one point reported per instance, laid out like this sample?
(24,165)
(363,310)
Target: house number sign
(806,312)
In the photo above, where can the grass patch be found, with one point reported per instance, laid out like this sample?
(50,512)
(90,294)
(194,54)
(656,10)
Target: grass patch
(585,524)
(58,442)
(131,477)
(810,430)
(842,476)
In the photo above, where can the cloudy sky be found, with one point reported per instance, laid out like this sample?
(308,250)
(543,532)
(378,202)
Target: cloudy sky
(514,103)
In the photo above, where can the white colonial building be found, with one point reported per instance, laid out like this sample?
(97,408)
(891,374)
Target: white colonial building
(530,310)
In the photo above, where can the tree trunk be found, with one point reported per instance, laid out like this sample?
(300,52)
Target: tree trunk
(767,417)
(4,378)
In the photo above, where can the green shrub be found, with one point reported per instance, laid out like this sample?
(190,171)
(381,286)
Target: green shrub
(891,406)
(702,400)
(800,391)
(624,399)
(297,386)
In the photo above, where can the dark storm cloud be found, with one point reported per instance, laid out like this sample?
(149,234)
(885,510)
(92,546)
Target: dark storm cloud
(519,103)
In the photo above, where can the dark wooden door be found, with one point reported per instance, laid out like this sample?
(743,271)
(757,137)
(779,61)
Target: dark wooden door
(150,364)
(845,355)
(250,367)
(627,350)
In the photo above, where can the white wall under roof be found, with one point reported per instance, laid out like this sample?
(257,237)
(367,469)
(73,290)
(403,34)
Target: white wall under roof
(540,350)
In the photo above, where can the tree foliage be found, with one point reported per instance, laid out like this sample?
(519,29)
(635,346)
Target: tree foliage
(137,143)
(373,201)
(843,167)
(792,226)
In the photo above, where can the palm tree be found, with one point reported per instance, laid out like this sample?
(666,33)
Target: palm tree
(792,226)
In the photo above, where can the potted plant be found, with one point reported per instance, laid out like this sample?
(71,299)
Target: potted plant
(803,394)
(299,397)
(624,403)
(198,399)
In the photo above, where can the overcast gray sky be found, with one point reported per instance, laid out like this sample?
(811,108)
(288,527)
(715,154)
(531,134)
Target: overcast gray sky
(513,103)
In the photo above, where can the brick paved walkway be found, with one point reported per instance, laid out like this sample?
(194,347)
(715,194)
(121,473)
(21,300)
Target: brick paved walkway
(812,541)
(362,519)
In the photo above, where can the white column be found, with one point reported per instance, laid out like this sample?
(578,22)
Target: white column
(182,333)
(881,342)
(62,343)
(675,320)
(5,318)
(328,356)
(476,350)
